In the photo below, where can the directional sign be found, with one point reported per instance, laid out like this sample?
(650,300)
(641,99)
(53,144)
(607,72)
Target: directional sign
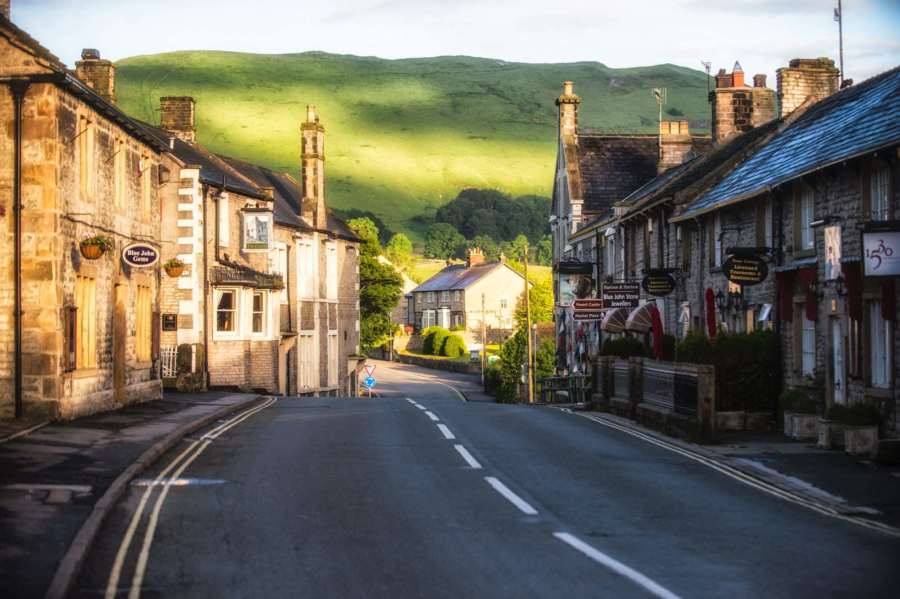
(587,315)
(370,369)
(588,304)
(369,381)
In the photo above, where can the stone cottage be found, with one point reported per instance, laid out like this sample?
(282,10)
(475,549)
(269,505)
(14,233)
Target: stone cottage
(79,331)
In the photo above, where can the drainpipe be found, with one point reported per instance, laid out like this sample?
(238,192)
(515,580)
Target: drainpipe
(206,324)
(18,89)
(777,257)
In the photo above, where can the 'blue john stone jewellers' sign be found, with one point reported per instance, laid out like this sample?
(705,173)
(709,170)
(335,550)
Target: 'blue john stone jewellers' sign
(140,255)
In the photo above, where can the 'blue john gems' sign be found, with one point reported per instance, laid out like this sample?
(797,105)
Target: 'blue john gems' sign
(140,255)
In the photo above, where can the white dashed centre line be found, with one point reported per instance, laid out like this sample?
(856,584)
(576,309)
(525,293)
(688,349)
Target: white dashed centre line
(447,434)
(467,456)
(421,407)
(514,499)
(616,566)
(433,417)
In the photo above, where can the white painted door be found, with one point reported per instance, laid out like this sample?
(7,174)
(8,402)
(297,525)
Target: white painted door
(837,344)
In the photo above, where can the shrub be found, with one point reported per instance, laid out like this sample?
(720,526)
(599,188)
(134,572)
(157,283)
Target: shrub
(695,348)
(624,347)
(433,339)
(859,414)
(454,346)
(793,400)
(668,347)
(493,379)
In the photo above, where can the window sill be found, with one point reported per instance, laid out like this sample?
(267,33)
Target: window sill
(879,393)
(85,373)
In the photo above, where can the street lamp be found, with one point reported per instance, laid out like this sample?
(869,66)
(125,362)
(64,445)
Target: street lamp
(720,301)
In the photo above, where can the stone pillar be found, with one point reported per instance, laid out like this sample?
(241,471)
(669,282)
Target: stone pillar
(568,110)
(805,78)
(312,170)
(177,116)
(98,74)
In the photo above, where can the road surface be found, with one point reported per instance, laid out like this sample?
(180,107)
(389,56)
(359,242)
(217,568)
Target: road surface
(421,494)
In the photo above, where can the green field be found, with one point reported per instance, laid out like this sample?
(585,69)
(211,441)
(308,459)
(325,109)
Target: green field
(403,136)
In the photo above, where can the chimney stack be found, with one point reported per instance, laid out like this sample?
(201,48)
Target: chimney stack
(474,257)
(4,9)
(98,74)
(737,108)
(568,110)
(813,78)
(177,116)
(675,144)
(312,171)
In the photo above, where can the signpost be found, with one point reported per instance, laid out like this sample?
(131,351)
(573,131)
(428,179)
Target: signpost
(621,295)
(658,283)
(586,310)
(141,255)
(745,270)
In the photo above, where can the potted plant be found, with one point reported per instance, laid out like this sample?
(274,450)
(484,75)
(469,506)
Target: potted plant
(860,426)
(94,247)
(174,267)
(800,420)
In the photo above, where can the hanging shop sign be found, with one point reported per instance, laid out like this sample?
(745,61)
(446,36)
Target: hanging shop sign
(140,255)
(881,250)
(621,295)
(574,286)
(659,284)
(745,270)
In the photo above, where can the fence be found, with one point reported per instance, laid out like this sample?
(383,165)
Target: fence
(564,389)
(169,357)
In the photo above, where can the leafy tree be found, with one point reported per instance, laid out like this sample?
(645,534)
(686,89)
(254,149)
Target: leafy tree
(490,212)
(488,246)
(442,240)
(368,232)
(543,252)
(540,296)
(399,250)
(384,232)
(379,293)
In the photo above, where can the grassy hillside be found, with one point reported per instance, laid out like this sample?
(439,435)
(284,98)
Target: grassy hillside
(403,136)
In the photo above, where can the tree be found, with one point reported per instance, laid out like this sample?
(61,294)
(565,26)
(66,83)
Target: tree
(490,212)
(366,230)
(543,253)
(540,298)
(399,250)
(379,292)
(488,246)
(442,240)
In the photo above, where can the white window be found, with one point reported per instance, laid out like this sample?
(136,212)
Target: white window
(880,335)
(717,234)
(807,344)
(457,295)
(879,197)
(331,271)
(257,231)
(609,256)
(226,310)
(457,320)
(258,313)
(332,358)
(308,363)
(428,319)
(504,304)
(807,203)
(224,220)
(445,296)
(307,262)
(444,315)
(429,297)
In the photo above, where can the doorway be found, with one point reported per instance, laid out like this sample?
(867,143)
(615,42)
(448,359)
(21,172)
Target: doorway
(838,379)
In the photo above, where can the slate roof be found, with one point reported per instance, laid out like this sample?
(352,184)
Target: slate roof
(850,123)
(458,276)
(64,78)
(613,166)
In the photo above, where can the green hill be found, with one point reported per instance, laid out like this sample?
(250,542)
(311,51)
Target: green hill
(403,136)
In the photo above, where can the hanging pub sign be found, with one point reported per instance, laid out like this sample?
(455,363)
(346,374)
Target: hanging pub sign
(576,281)
(881,251)
(745,270)
(658,283)
(140,255)
(621,295)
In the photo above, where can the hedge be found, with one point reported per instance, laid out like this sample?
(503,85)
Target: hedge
(623,347)
(433,339)
(454,346)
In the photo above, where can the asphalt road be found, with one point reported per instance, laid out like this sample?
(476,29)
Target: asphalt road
(370,498)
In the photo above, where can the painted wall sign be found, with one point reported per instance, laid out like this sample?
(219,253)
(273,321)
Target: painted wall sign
(140,255)
(660,285)
(881,250)
(745,270)
(621,295)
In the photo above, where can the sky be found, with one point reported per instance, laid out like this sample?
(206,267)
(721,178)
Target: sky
(762,34)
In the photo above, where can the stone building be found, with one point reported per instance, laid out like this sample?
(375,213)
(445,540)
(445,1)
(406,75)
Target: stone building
(78,334)
(462,296)
(268,299)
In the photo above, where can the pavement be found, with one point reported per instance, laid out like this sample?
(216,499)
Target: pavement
(419,493)
(52,477)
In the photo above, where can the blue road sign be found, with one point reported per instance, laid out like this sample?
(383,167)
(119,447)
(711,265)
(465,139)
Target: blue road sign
(369,381)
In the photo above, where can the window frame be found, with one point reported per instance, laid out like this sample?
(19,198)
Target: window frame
(880,346)
(262,313)
(143,319)
(86,325)
(879,171)
(235,329)
(805,214)
(307,268)
(331,271)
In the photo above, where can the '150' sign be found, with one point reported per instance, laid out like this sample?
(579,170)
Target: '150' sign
(882,253)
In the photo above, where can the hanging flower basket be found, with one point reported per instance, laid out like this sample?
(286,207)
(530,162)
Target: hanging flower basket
(94,247)
(174,267)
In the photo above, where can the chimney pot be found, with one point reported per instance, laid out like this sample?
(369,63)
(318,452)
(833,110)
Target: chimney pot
(474,257)
(737,75)
(568,88)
